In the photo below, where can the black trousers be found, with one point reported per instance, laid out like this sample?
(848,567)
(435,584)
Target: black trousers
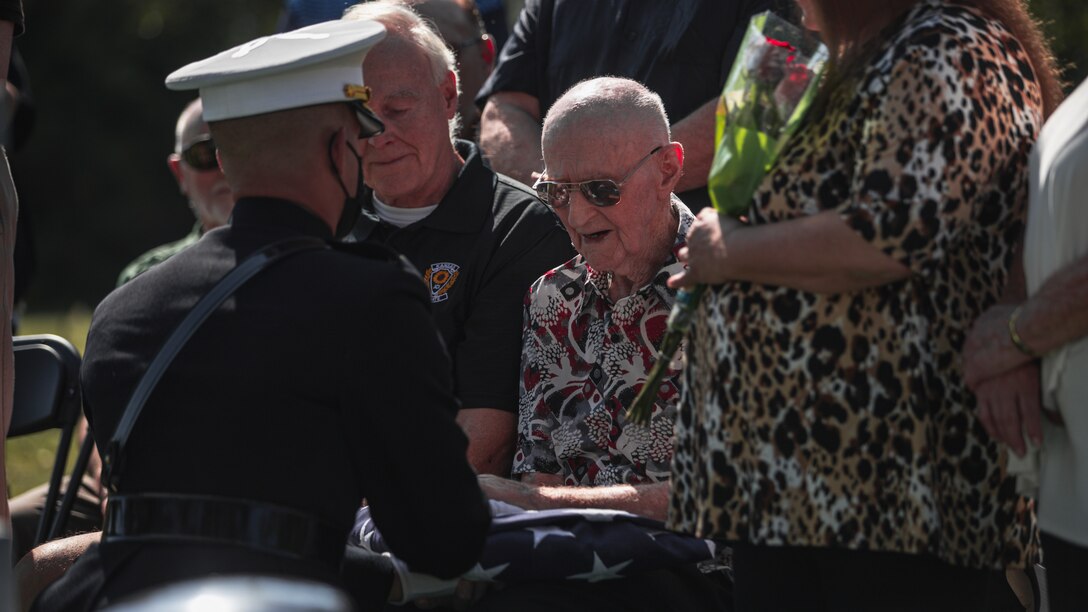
(781,579)
(1066,574)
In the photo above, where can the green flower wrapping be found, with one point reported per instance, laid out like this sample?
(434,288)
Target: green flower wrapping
(770,88)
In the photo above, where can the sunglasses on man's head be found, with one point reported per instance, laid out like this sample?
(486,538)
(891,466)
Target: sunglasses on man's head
(598,192)
(200,154)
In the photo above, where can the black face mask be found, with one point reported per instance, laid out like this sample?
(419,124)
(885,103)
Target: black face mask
(353,204)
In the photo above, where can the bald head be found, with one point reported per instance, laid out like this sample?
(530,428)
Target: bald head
(190,125)
(204,185)
(607,105)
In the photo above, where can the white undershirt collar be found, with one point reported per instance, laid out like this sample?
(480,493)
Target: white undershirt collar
(401,217)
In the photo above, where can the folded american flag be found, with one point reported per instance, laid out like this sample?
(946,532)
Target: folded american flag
(564,544)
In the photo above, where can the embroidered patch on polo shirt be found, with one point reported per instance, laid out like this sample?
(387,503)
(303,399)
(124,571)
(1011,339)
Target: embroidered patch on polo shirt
(440,278)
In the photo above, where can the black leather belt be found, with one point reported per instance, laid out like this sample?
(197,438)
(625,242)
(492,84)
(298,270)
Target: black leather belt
(194,519)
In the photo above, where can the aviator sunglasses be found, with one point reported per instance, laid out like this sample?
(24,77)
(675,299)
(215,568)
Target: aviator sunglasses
(200,154)
(598,192)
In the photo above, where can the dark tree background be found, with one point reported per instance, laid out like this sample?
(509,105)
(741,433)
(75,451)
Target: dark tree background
(93,174)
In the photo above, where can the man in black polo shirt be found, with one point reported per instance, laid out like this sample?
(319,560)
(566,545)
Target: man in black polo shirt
(478,238)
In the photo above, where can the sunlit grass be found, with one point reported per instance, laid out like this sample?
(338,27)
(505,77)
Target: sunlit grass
(30,458)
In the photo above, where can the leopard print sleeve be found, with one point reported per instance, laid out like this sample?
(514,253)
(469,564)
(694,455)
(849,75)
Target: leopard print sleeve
(945,113)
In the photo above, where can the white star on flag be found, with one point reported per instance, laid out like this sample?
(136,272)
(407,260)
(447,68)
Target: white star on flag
(601,571)
(539,533)
(652,534)
(481,574)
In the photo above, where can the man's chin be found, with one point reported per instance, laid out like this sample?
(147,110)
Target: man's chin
(601,262)
(393,197)
(389,184)
(385,166)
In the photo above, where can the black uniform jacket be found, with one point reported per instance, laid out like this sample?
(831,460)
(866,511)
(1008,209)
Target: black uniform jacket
(321,382)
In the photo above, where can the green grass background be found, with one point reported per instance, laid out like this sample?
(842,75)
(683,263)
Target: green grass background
(30,458)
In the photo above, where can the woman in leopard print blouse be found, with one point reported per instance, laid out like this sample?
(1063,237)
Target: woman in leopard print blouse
(824,424)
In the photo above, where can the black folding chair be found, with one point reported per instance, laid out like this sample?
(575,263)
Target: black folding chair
(47,397)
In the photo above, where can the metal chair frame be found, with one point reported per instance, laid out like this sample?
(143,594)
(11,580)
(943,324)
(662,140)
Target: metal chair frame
(47,397)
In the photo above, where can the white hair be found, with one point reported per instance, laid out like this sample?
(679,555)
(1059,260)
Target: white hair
(401,20)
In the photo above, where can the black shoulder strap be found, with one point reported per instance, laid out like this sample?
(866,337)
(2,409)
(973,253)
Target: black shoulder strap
(379,252)
(114,459)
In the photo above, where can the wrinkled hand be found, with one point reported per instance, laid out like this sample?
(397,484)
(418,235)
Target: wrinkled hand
(988,350)
(467,593)
(706,253)
(1010,405)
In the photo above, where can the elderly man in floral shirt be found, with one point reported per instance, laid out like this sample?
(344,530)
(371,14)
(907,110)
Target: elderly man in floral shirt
(591,334)
(593,325)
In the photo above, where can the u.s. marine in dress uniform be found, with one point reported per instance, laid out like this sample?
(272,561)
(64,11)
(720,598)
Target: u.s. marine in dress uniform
(293,401)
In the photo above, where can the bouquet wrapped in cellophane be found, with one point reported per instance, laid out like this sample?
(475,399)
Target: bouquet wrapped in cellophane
(770,87)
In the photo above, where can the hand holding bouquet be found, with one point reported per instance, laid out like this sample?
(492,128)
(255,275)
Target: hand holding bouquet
(770,86)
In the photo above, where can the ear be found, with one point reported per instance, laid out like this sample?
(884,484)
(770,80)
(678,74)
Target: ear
(336,152)
(343,162)
(448,89)
(174,163)
(672,165)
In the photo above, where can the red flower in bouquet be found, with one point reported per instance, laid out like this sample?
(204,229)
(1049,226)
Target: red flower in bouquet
(769,63)
(790,90)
